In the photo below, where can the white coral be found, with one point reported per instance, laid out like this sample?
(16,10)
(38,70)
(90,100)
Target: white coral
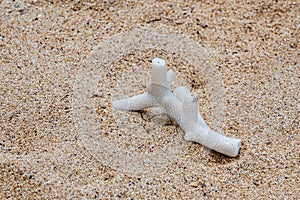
(180,105)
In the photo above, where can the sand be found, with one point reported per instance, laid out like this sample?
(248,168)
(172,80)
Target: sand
(60,138)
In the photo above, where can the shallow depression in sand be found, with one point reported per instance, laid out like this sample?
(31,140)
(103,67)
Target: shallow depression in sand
(134,142)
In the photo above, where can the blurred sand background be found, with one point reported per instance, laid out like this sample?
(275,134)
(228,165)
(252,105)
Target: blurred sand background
(254,48)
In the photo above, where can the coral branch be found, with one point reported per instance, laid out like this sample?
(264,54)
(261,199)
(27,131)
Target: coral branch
(138,102)
(181,106)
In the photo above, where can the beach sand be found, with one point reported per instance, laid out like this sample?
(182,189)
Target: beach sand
(63,62)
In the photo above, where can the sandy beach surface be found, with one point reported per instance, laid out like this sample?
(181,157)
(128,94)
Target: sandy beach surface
(63,62)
